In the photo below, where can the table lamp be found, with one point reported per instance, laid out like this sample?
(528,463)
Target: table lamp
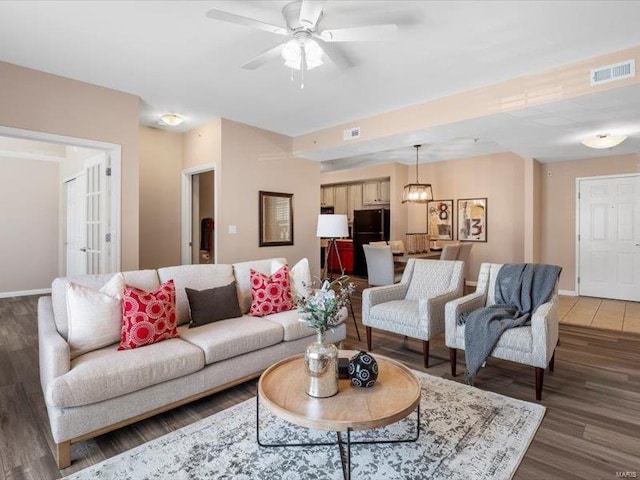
(332,226)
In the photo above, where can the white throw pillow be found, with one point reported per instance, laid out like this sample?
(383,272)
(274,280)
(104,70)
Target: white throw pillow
(95,316)
(300,275)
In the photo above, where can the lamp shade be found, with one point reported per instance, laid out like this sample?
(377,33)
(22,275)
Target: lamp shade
(332,226)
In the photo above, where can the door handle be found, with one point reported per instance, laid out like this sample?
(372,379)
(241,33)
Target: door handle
(637,244)
(83,249)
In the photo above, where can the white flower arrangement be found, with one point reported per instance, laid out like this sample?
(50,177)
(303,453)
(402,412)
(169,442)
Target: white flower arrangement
(325,308)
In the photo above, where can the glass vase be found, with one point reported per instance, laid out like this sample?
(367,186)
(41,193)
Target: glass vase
(321,363)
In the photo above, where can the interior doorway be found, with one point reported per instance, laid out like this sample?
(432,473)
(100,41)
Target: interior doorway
(199,235)
(608,239)
(65,213)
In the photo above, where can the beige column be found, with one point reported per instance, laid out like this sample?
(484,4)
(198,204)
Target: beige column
(532,209)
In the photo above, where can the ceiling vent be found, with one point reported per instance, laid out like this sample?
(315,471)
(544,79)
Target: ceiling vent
(613,73)
(351,133)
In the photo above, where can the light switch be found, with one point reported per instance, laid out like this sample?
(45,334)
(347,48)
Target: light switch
(233,229)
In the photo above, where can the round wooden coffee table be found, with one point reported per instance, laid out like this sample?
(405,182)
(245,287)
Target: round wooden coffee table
(281,389)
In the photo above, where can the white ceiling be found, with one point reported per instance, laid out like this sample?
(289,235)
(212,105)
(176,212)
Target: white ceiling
(549,133)
(176,59)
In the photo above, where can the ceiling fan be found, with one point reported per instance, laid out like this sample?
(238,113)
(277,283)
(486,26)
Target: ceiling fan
(308,45)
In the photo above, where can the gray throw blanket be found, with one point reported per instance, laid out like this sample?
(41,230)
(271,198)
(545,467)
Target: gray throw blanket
(519,291)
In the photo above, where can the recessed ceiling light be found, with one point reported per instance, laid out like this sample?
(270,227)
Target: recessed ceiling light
(604,140)
(171,119)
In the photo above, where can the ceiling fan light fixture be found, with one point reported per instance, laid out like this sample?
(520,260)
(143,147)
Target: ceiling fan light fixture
(417,192)
(604,140)
(292,53)
(171,119)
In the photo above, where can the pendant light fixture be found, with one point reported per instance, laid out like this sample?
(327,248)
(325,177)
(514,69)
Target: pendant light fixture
(417,192)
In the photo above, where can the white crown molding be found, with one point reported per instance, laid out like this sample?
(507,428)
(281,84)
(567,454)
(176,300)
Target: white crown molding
(31,156)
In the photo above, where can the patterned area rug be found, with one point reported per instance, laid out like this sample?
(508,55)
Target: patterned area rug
(466,433)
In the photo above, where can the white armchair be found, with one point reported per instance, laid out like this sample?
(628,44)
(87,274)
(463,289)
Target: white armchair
(530,345)
(415,306)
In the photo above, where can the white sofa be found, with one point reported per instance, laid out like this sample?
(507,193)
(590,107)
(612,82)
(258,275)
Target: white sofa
(106,389)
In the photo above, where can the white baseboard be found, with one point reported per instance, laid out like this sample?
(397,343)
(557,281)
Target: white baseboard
(24,293)
(568,293)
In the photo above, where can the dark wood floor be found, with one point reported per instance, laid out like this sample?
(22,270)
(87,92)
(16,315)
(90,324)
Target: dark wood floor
(591,429)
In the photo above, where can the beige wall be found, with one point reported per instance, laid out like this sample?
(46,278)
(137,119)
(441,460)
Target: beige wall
(254,160)
(42,102)
(397,174)
(558,206)
(202,145)
(160,197)
(29,192)
(500,178)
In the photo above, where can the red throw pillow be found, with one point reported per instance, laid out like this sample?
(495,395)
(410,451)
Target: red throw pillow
(270,294)
(148,317)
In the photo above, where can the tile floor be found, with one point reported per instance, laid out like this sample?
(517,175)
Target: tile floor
(600,313)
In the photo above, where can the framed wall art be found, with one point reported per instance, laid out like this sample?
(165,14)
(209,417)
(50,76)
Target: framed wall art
(440,219)
(472,219)
(276,219)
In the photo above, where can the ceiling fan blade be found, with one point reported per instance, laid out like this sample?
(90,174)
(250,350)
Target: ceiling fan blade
(310,12)
(335,56)
(248,22)
(264,57)
(370,33)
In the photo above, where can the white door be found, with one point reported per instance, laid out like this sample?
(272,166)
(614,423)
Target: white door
(76,233)
(97,220)
(609,237)
(88,238)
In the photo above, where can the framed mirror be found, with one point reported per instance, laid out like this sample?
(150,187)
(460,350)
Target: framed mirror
(276,219)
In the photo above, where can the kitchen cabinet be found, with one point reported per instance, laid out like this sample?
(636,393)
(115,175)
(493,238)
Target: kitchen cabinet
(340,199)
(376,192)
(328,198)
(355,199)
(385,191)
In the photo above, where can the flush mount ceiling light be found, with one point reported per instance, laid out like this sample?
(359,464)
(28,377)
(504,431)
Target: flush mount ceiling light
(417,192)
(604,140)
(171,119)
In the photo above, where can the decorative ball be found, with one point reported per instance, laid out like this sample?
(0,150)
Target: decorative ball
(363,370)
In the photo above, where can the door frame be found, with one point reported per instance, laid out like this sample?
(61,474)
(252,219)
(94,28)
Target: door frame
(114,151)
(186,237)
(577,198)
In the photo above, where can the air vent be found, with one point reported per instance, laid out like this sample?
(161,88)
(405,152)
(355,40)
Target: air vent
(351,133)
(613,73)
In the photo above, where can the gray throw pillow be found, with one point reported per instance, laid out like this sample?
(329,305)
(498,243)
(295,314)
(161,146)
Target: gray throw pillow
(213,304)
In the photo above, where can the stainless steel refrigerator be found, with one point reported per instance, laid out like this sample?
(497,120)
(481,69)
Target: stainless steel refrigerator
(368,226)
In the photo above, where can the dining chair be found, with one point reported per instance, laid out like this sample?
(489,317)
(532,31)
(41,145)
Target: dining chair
(380,265)
(463,255)
(378,244)
(450,251)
